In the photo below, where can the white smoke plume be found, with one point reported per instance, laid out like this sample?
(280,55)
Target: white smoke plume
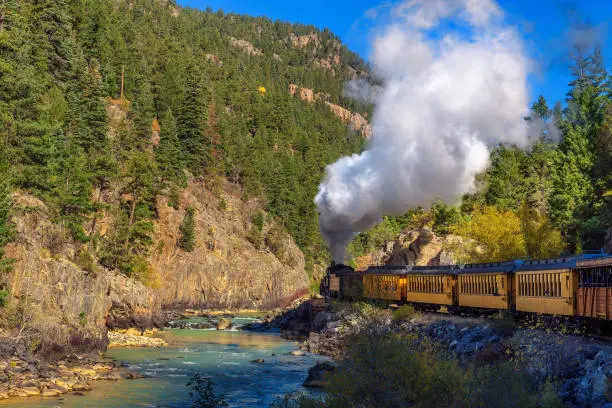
(445,101)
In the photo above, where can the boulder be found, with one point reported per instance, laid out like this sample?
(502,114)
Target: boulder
(224,324)
(297,353)
(51,392)
(81,386)
(30,391)
(258,360)
(316,375)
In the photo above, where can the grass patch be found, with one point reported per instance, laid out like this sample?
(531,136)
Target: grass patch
(405,312)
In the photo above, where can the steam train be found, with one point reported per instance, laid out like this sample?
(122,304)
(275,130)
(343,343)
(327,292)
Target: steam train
(569,286)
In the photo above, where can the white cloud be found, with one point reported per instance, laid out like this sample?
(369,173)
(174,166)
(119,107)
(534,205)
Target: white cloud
(446,100)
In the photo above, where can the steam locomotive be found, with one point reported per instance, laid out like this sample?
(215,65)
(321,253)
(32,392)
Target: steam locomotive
(568,286)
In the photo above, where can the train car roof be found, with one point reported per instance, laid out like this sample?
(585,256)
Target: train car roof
(341,269)
(409,269)
(490,267)
(591,262)
(585,260)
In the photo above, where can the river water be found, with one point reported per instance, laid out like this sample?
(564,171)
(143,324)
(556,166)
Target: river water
(224,356)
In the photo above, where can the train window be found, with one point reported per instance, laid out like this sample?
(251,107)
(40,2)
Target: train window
(596,277)
(540,284)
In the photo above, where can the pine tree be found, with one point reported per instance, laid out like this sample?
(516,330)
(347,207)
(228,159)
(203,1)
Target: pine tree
(168,153)
(191,119)
(540,109)
(187,239)
(6,236)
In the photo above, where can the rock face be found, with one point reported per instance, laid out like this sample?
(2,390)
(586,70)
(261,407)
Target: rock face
(417,247)
(246,46)
(355,120)
(225,270)
(301,41)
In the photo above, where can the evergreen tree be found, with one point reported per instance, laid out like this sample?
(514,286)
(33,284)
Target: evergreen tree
(191,120)
(168,153)
(187,239)
(6,236)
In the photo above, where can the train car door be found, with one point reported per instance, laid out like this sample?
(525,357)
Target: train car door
(403,286)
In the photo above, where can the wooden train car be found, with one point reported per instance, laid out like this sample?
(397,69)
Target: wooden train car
(430,284)
(487,286)
(546,286)
(594,292)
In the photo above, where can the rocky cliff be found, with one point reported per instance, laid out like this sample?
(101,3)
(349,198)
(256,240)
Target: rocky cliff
(225,269)
(355,120)
(62,301)
(415,247)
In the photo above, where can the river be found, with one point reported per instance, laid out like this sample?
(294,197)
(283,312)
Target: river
(225,356)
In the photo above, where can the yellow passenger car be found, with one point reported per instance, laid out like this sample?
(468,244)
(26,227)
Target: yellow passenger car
(430,284)
(546,286)
(384,285)
(486,286)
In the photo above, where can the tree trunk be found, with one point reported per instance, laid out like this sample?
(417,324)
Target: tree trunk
(132,210)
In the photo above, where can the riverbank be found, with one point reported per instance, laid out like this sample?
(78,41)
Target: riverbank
(576,369)
(24,374)
(250,369)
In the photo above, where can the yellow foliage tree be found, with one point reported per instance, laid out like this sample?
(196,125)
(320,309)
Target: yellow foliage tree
(542,239)
(495,235)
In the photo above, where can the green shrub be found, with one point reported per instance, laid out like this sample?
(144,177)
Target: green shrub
(505,324)
(85,260)
(255,237)
(82,319)
(202,393)
(258,219)
(187,240)
(4,294)
(77,232)
(405,312)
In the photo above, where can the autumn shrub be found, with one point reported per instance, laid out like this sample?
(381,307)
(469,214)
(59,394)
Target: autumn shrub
(391,370)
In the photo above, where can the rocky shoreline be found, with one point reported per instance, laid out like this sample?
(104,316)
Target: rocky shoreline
(135,338)
(580,364)
(27,378)
(23,375)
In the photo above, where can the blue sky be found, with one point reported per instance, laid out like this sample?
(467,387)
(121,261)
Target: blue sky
(547,26)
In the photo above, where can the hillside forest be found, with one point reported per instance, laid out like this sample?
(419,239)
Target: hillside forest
(138,97)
